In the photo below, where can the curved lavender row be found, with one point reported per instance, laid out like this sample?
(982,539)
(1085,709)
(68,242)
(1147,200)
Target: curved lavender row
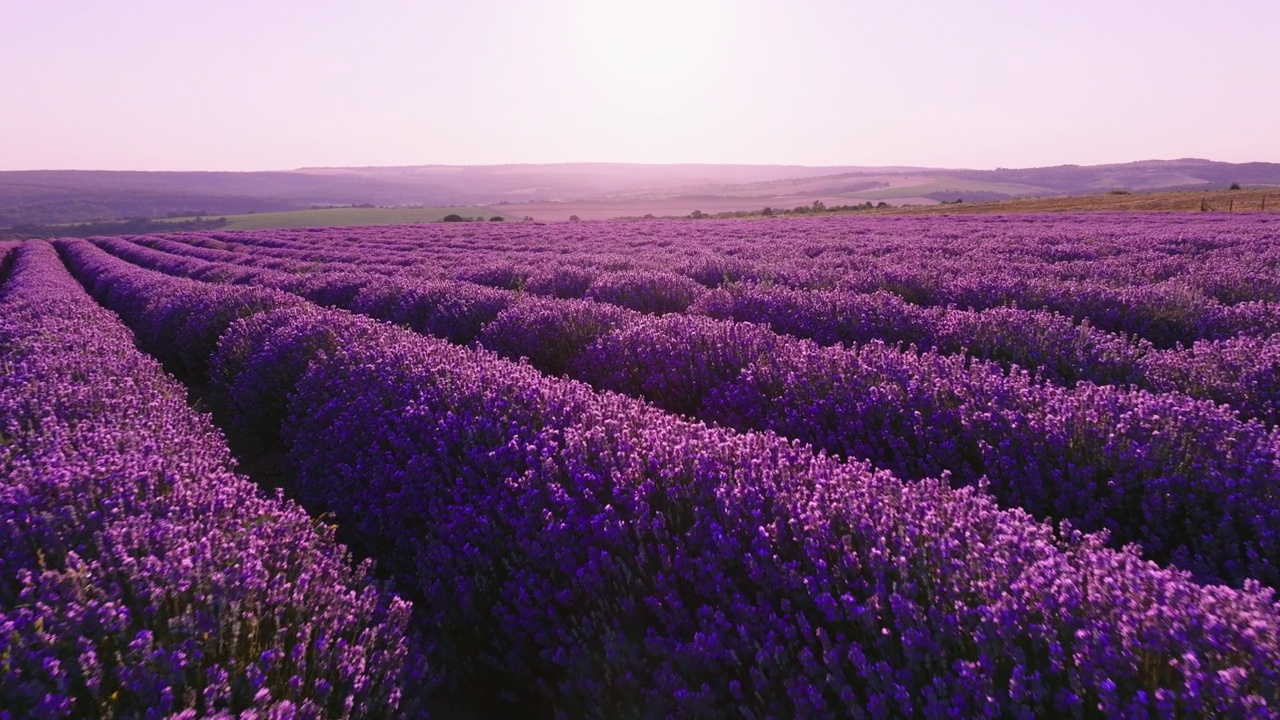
(1166,307)
(1043,342)
(591,553)
(1241,372)
(140,575)
(1168,276)
(1185,479)
(1034,340)
(1064,351)
(450,309)
(1216,254)
(231,268)
(478,294)
(178,322)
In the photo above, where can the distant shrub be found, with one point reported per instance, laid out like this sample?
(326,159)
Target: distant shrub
(1234,186)
(451,217)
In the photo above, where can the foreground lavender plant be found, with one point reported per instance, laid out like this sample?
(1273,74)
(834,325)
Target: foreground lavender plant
(140,576)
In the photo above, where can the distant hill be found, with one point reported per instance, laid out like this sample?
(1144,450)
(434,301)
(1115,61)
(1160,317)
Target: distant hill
(1249,200)
(46,197)
(1187,174)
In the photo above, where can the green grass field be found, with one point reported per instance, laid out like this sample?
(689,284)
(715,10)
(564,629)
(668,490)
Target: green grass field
(947,185)
(348,217)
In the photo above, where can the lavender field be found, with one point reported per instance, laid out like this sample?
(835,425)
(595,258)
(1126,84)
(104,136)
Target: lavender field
(984,466)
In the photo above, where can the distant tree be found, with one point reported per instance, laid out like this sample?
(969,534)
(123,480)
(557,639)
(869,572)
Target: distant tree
(697,215)
(767,212)
(649,216)
(574,218)
(819,206)
(1235,186)
(496,218)
(451,217)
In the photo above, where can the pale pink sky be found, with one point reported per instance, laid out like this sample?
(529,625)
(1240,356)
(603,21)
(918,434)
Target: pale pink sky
(279,84)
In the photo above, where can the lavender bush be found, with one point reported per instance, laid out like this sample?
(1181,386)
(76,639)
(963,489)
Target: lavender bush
(646,291)
(140,575)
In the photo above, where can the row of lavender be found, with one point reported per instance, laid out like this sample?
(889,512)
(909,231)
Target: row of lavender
(1186,479)
(1169,279)
(140,575)
(1111,250)
(591,552)
(1240,371)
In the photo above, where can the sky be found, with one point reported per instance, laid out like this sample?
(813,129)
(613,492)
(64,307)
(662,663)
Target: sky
(282,84)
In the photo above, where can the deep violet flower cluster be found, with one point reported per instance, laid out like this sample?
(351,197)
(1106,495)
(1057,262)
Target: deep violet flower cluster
(563,281)
(451,310)
(646,291)
(6,256)
(591,554)
(140,576)
(551,333)
(1242,372)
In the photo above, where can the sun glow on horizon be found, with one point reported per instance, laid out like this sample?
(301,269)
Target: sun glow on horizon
(653,52)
